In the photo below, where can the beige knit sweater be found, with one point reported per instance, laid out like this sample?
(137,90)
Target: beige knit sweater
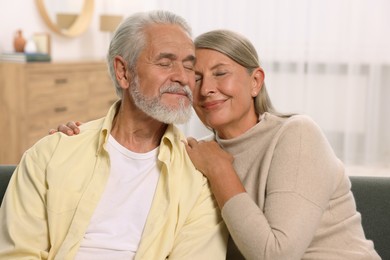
(298,203)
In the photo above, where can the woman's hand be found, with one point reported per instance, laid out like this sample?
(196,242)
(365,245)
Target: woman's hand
(217,165)
(71,128)
(207,156)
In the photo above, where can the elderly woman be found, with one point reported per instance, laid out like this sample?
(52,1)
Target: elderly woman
(282,191)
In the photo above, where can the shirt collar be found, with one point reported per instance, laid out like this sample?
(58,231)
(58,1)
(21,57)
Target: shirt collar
(170,141)
(107,125)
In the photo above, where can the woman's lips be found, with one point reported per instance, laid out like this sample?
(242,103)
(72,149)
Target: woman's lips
(211,105)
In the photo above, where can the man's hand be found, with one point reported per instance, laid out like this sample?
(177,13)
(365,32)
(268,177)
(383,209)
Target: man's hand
(71,128)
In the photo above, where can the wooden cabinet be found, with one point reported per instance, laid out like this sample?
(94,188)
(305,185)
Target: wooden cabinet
(35,97)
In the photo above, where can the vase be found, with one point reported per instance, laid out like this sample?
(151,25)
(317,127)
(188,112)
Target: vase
(19,41)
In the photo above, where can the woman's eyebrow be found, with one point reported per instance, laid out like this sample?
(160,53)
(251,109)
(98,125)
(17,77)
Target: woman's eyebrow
(218,65)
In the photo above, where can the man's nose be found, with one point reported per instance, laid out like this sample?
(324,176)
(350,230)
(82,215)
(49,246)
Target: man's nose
(181,74)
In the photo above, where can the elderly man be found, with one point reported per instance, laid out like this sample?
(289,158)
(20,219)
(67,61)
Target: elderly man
(124,188)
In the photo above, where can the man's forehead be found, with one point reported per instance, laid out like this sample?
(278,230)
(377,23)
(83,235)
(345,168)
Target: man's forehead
(170,49)
(169,35)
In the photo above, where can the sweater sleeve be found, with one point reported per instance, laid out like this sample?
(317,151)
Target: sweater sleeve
(302,175)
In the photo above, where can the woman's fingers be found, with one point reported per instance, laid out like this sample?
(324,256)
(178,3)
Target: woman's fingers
(71,128)
(65,129)
(52,131)
(191,142)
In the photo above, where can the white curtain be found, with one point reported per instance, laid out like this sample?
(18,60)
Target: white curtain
(328,59)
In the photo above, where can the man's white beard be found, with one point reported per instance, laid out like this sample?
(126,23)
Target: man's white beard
(156,109)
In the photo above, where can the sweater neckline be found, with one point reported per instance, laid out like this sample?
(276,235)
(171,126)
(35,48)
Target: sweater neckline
(240,143)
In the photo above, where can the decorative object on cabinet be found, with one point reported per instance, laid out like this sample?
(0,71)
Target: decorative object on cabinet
(37,49)
(24,57)
(35,97)
(42,41)
(80,24)
(19,41)
(30,46)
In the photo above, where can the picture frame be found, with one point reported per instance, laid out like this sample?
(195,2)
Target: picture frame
(42,42)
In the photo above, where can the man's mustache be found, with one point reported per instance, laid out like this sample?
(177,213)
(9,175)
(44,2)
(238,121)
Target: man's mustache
(177,89)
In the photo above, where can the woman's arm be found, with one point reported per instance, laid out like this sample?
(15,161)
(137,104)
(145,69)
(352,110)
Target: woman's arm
(301,179)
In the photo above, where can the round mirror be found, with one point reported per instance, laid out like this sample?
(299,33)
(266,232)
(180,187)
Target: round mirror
(68,18)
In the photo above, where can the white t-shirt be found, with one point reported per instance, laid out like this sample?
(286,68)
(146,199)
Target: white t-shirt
(117,224)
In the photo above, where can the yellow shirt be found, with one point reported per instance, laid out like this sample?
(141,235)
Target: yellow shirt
(58,183)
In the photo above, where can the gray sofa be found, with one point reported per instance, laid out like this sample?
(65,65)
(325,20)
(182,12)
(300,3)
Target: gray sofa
(372,195)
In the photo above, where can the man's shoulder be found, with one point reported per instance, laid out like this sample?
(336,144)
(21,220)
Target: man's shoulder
(51,143)
(92,125)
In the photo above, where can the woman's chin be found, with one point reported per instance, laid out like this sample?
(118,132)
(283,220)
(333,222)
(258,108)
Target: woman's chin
(215,124)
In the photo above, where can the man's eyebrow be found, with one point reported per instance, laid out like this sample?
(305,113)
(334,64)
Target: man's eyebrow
(165,55)
(190,58)
(171,56)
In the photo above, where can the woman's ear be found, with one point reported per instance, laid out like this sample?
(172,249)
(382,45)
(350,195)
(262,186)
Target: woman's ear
(257,81)
(121,73)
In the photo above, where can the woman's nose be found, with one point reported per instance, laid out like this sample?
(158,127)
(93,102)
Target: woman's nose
(207,87)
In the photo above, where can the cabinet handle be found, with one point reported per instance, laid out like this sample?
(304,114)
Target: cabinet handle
(60,109)
(61,81)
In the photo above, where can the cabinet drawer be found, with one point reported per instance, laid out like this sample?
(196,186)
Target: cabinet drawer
(56,105)
(36,97)
(52,108)
(40,85)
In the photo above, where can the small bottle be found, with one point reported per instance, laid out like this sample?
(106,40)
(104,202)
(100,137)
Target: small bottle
(19,41)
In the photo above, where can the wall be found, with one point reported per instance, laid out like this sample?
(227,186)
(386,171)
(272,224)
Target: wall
(328,59)
(90,45)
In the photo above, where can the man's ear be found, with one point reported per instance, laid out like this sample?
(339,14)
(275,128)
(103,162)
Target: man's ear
(257,81)
(121,73)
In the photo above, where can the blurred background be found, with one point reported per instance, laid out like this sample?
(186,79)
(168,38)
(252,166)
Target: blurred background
(328,59)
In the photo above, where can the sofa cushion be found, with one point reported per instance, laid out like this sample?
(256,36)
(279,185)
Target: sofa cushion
(372,196)
(5,175)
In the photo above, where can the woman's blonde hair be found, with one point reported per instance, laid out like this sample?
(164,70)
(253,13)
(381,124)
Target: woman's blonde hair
(242,51)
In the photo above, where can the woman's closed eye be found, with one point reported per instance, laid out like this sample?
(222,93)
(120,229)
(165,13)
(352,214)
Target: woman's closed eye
(220,73)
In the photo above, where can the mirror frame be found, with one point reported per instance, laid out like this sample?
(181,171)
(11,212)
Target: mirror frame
(79,26)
